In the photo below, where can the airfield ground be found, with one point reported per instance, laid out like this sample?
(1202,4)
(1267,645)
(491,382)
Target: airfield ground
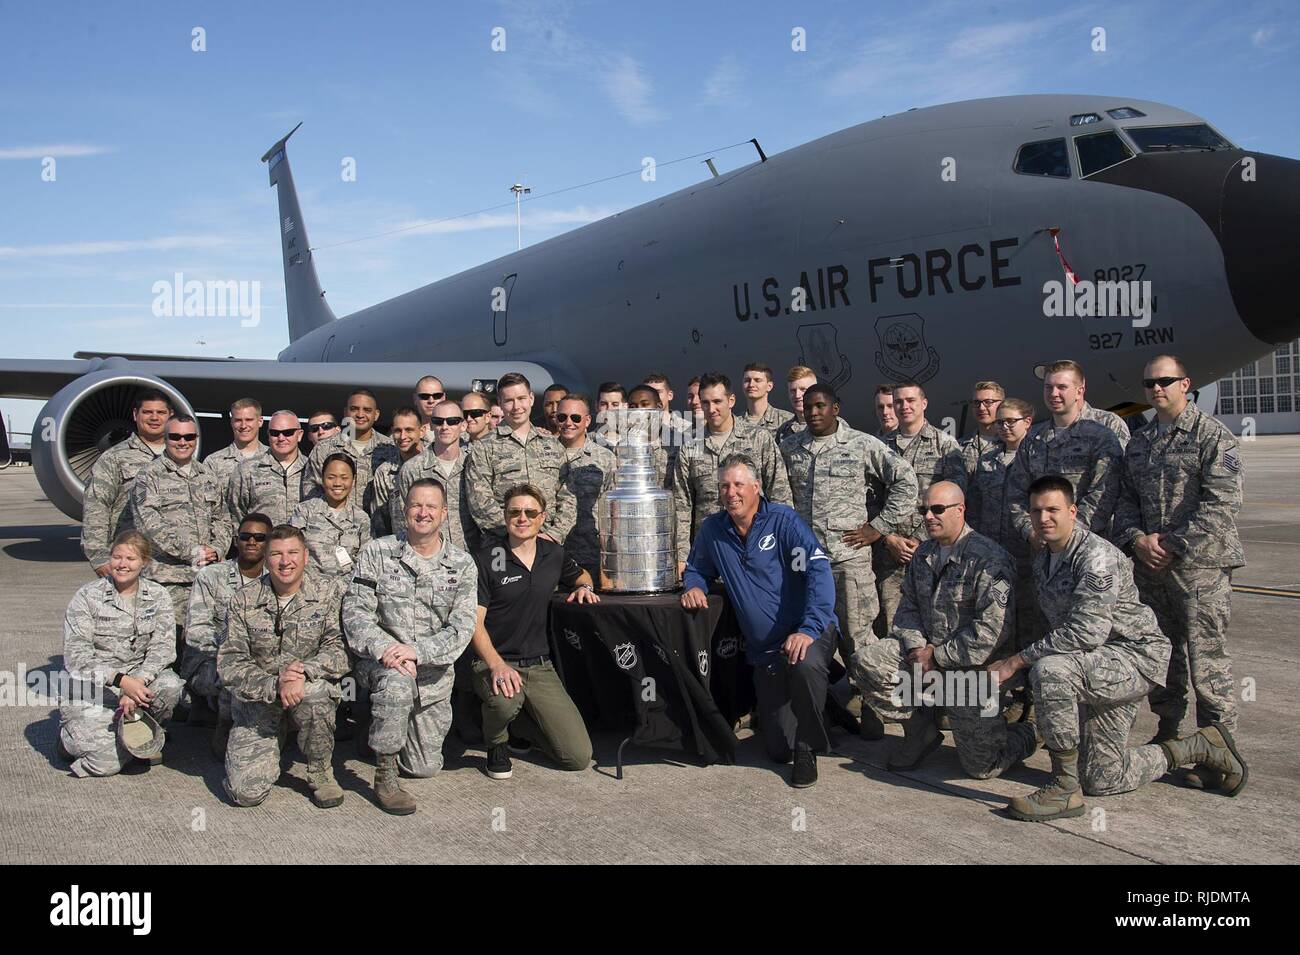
(663,810)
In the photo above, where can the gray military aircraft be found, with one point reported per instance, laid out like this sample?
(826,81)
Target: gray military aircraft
(922,245)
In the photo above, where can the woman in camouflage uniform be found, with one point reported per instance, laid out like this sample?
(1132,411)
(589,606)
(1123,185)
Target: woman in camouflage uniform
(119,639)
(335,529)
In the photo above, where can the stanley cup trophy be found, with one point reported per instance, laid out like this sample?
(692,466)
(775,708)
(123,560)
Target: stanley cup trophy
(636,516)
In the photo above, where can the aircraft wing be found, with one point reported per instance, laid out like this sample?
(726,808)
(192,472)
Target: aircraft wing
(211,385)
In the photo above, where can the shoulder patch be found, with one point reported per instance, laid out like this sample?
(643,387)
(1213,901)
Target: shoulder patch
(1000,589)
(1099,583)
(1231,461)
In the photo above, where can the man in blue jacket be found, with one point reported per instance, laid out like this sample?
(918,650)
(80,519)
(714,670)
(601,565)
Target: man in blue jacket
(779,581)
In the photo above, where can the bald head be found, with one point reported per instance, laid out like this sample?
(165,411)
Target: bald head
(944,512)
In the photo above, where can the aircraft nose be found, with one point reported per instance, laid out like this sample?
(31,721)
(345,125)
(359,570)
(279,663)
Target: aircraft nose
(1260,236)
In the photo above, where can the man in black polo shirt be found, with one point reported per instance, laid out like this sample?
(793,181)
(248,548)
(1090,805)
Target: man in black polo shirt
(513,674)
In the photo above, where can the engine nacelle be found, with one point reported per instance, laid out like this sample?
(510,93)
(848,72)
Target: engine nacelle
(86,418)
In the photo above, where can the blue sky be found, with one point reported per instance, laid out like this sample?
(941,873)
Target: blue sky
(156,146)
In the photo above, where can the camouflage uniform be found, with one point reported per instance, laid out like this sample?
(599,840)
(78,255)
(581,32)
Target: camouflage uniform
(265,485)
(179,513)
(1110,420)
(695,479)
(1104,653)
(588,472)
(459,527)
(973,447)
(962,609)
(260,642)
(794,426)
(376,449)
(986,511)
(499,461)
(1086,453)
(834,490)
(382,497)
(430,604)
(105,510)
(104,635)
(770,420)
(326,530)
(1186,484)
(935,456)
(205,628)
(223,463)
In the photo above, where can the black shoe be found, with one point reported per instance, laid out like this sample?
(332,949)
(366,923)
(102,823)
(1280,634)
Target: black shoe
(805,769)
(519,746)
(498,762)
(837,715)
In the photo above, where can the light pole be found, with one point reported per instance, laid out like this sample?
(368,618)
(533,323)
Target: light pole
(520,190)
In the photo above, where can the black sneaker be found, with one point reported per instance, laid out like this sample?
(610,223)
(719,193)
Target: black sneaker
(805,769)
(837,715)
(519,746)
(498,762)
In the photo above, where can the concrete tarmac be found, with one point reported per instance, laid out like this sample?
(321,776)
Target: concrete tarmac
(664,810)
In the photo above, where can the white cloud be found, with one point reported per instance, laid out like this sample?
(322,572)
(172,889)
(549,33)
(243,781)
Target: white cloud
(1262,36)
(112,247)
(532,219)
(58,151)
(725,85)
(630,90)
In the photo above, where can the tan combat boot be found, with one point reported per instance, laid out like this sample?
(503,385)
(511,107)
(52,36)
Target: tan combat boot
(325,791)
(921,737)
(391,796)
(1060,799)
(1210,748)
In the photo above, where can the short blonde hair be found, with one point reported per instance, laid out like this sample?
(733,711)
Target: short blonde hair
(1066,364)
(800,371)
(992,386)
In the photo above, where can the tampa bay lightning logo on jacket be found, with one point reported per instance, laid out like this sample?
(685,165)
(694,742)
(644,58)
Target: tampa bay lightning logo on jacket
(768,542)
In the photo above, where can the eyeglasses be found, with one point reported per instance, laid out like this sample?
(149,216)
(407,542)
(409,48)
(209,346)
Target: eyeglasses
(986,402)
(282,432)
(439,422)
(1009,422)
(320,426)
(561,418)
(531,513)
(252,536)
(177,436)
(938,509)
(475,412)
(431,395)
(1162,382)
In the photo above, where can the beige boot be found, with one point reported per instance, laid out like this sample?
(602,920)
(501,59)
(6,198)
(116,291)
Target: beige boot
(392,798)
(325,791)
(1210,748)
(1059,799)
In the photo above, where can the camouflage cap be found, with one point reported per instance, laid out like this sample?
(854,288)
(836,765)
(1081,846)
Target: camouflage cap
(140,735)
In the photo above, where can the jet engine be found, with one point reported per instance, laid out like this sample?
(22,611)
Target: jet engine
(86,418)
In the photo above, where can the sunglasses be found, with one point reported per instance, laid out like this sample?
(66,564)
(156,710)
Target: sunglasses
(938,509)
(1008,422)
(321,426)
(475,412)
(177,436)
(561,418)
(431,395)
(252,536)
(439,422)
(282,432)
(1162,382)
(531,513)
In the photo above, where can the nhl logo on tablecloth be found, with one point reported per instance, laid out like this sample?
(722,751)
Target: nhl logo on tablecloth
(625,655)
(727,648)
(574,640)
(703,657)
(662,655)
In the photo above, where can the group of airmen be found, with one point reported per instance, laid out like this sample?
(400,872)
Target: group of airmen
(1082,569)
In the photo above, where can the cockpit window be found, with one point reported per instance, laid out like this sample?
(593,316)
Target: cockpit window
(1046,158)
(1100,151)
(1083,119)
(1172,138)
(1124,112)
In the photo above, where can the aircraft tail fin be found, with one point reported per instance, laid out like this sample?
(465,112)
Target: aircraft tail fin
(304,298)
